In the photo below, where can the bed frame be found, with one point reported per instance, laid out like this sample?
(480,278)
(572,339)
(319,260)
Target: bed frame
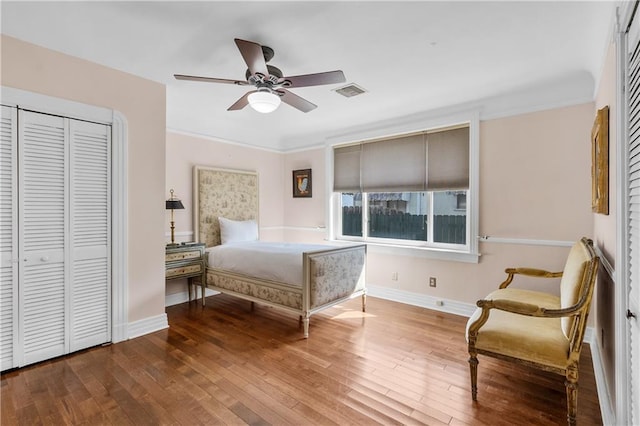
(331,276)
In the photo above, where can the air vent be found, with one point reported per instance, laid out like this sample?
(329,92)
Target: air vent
(350,90)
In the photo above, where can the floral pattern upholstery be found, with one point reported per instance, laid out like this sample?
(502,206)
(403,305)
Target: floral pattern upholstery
(224,193)
(279,296)
(333,275)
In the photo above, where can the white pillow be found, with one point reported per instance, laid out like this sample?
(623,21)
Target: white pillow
(232,231)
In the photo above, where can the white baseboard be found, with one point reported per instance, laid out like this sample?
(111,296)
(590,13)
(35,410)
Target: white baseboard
(183,296)
(119,333)
(422,300)
(607,409)
(160,322)
(147,325)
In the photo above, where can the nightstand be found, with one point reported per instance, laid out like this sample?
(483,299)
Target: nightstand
(186,261)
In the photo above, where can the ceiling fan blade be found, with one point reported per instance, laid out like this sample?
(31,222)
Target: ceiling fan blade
(242,102)
(296,101)
(317,79)
(253,56)
(210,79)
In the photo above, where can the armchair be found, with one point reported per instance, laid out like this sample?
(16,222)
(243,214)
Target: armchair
(537,329)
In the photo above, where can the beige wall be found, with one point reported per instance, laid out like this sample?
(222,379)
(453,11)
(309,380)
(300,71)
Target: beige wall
(604,231)
(304,218)
(534,183)
(184,152)
(535,175)
(29,67)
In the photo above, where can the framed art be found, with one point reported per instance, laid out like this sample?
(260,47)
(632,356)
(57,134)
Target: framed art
(600,162)
(302,183)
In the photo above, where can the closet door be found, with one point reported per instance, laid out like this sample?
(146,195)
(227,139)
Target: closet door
(55,236)
(8,239)
(90,228)
(44,233)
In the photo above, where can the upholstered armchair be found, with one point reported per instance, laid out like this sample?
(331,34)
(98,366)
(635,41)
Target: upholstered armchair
(538,329)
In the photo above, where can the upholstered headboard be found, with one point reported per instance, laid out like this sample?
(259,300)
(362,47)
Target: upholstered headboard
(232,194)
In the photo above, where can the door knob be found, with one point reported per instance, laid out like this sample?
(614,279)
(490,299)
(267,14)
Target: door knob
(44,258)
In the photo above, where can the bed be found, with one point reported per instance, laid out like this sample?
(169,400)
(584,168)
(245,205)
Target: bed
(328,275)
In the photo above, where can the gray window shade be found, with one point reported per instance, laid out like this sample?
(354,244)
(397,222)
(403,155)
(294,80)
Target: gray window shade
(394,165)
(448,159)
(439,160)
(346,168)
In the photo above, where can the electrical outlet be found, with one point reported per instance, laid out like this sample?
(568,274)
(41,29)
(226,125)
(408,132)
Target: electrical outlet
(432,281)
(394,276)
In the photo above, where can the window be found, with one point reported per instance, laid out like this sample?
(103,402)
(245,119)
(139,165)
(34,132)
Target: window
(398,216)
(409,191)
(391,215)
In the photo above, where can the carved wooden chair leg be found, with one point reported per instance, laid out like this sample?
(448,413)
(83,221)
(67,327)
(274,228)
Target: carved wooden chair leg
(473,370)
(571,383)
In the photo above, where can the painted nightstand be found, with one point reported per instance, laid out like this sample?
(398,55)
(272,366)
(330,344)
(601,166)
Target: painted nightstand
(186,261)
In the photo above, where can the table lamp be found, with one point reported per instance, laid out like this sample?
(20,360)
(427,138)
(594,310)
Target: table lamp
(173,204)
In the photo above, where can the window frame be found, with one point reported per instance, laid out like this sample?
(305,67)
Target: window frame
(468,252)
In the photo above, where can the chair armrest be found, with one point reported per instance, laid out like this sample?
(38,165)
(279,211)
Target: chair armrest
(511,306)
(516,307)
(530,272)
(529,309)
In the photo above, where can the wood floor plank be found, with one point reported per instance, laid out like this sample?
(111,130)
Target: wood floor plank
(229,364)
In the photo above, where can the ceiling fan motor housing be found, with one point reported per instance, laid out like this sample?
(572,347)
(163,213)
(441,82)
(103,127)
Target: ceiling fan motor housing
(273,71)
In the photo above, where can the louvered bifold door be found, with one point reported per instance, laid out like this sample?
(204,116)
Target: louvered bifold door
(90,230)
(633,214)
(43,230)
(8,239)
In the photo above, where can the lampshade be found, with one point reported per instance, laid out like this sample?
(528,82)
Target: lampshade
(174,205)
(264,102)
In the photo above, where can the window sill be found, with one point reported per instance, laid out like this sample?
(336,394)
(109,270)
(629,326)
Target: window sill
(424,252)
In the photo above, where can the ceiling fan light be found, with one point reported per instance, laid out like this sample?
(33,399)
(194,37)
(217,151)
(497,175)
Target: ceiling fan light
(264,102)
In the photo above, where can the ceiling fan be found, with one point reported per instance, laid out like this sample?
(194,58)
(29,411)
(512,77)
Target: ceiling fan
(271,86)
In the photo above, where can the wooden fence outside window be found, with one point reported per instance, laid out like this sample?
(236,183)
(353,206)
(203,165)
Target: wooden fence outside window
(405,226)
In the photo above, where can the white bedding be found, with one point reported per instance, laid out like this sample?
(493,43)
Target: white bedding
(280,262)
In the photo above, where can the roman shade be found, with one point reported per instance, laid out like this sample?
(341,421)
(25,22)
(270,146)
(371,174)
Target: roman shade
(448,159)
(394,165)
(418,162)
(346,168)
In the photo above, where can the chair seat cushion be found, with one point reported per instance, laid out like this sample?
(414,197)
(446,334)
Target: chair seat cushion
(534,339)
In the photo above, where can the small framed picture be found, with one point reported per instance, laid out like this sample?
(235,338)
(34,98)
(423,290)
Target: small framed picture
(302,183)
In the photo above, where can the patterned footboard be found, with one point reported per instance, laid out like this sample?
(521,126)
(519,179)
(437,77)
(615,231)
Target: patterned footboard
(330,277)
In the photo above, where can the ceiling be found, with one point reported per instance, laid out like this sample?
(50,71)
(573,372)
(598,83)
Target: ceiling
(411,57)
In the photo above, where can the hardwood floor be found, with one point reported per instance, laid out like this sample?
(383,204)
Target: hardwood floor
(224,364)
